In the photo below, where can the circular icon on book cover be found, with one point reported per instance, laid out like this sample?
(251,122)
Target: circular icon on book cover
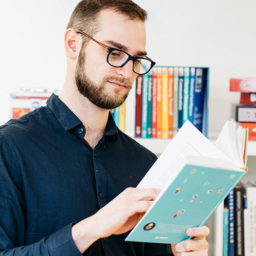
(149,226)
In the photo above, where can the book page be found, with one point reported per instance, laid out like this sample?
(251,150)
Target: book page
(189,141)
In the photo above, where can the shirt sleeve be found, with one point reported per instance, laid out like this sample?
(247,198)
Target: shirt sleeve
(12,217)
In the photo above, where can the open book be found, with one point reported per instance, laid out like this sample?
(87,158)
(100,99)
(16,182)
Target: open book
(194,176)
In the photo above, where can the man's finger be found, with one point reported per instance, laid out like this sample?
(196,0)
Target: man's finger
(198,232)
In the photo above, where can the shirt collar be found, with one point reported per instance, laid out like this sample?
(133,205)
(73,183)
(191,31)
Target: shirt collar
(70,121)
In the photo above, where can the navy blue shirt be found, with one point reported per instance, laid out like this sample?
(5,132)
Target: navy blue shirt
(50,178)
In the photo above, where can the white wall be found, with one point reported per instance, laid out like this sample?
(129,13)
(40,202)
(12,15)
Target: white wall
(219,34)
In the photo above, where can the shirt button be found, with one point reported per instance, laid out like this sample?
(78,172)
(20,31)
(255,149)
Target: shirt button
(81,130)
(101,195)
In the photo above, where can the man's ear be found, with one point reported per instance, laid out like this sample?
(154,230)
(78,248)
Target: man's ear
(73,43)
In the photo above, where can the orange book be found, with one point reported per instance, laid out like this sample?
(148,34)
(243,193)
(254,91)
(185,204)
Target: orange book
(165,94)
(251,130)
(242,85)
(159,103)
(170,103)
(122,117)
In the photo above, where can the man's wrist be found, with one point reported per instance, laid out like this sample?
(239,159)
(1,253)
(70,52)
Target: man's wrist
(84,234)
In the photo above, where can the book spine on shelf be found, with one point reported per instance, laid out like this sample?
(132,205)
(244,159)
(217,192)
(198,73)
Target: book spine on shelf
(117,116)
(122,117)
(138,122)
(165,102)
(201,81)
(175,99)
(225,231)
(180,99)
(185,103)
(247,237)
(144,106)
(170,103)
(149,106)
(159,103)
(247,98)
(191,93)
(239,219)
(231,223)
(154,102)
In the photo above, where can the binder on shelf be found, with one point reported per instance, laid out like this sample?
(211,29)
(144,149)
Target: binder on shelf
(192,173)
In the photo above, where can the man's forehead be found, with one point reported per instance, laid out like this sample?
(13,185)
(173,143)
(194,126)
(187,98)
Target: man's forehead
(121,31)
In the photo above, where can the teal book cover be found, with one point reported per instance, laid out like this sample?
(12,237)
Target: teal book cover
(187,202)
(194,176)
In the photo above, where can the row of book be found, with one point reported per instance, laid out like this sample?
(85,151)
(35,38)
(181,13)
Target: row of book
(246,110)
(168,96)
(239,221)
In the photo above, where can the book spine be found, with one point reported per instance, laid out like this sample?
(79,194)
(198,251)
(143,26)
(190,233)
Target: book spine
(117,116)
(144,106)
(247,98)
(225,232)
(149,106)
(231,223)
(239,219)
(170,103)
(180,99)
(175,100)
(246,114)
(138,122)
(159,103)
(191,94)
(154,102)
(185,104)
(165,102)
(251,130)
(122,117)
(247,237)
(199,98)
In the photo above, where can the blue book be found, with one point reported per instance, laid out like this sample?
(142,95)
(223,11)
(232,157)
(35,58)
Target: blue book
(231,223)
(198,98)
(194,176)
(175,100)
(180,97)
(144,122)
(191,94)
(116,116)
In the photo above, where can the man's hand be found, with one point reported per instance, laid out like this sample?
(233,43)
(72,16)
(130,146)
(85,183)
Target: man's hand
(117,217)
(195,246)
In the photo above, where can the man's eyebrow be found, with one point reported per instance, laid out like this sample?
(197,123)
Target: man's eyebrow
(124,48)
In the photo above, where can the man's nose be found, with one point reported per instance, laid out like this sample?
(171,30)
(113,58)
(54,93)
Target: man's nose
(127,70)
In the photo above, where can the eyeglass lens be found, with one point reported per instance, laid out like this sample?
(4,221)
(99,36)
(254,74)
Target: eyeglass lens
(118,58)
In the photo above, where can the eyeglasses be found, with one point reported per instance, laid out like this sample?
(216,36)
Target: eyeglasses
(118,58)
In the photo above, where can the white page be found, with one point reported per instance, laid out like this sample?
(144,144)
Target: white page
(189,141)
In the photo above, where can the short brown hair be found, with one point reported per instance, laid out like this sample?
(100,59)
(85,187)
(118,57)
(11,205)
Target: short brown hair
(84,15)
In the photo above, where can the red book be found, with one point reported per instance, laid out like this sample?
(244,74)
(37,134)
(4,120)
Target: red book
(154,102)
(170,103)
(242,85)
(138,118)
(247,98)
(251,130)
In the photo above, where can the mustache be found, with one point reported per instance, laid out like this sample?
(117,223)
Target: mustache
(120,80)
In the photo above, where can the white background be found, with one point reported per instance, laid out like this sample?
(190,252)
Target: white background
(219,34)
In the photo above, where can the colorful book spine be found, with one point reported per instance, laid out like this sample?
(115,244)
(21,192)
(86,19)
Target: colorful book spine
(159,103)
(185,103)
(199,98)
(154,102)
(170,103)
(225,231)
(144,122)
(165,102)
(149,105)
(175,100)
(231,223)
(180,99)
(122,117)
(247,98)
(138,114)
(191,94)
(117,116)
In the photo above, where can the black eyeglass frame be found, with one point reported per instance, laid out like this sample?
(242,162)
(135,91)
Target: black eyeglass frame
(130,57)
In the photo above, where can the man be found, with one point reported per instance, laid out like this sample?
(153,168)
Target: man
(67,174)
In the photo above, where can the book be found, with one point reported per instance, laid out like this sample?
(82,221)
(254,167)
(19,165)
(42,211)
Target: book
(180,97)
(170,103)
(242,85)
(246,114)
(225,229)
(159,103)
(165,114)
(138,109)
(194,176)
(186,92)
(144,122)
(149,105)
(231,223)
(247,98)
(175,99)
(251,130)
(154,101)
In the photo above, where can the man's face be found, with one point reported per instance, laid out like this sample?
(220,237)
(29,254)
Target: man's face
(106,86)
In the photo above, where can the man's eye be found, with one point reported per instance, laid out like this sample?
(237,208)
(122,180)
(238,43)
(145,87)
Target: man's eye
(116,54)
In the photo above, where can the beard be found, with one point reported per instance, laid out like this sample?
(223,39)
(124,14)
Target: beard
(96,92)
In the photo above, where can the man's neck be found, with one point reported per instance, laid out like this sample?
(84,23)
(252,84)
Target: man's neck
(93,118)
